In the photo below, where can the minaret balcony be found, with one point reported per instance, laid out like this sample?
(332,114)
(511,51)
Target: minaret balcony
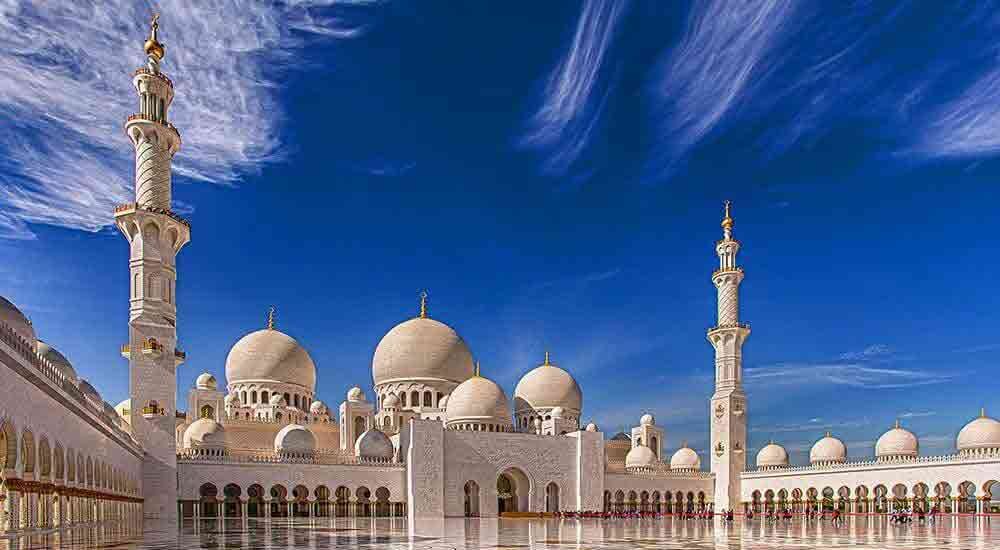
(146,71)
(140,117)
(132,208)
(726,271)
(727,326)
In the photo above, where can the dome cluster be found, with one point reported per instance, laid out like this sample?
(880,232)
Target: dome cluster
(13,320)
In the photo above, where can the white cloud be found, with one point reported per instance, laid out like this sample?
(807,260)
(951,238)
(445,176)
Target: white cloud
(967,126)
(726,48)
(917,414)
(874,350)
(849,374)
(572,100)
(64,81)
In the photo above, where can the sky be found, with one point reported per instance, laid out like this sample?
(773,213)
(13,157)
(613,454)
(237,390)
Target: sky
(553,175)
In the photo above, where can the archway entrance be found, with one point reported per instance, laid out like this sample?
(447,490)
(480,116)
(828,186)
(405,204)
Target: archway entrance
(512,492)
(552,498)
(472,499)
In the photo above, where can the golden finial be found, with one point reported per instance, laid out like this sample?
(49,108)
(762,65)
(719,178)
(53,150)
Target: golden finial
(828,434)
(423,305)
(270,318)
(153,47)
(477,368)
(982,412)
(684,444)
(727,222)
(897,423)
(547,359)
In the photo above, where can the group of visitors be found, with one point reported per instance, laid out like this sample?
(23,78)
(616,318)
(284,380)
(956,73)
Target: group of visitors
(633,514)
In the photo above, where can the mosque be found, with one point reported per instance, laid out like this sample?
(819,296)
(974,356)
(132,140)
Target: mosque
(436,438)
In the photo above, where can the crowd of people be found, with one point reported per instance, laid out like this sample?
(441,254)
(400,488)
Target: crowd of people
(836,517)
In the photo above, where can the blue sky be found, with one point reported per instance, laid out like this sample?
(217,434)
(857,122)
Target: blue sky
(553,175)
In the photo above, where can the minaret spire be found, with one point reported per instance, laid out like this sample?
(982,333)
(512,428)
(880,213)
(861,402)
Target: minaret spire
(728,407)
(423,305)
(155,235)
(547,363)
(270,317)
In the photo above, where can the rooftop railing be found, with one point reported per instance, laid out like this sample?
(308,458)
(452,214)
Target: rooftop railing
(161,76)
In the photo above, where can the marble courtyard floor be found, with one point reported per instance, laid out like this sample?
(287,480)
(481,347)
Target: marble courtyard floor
(389,534)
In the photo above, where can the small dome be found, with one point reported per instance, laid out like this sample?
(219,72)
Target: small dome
(422,349)
(204,432)
(206,381)
(355,394)
(982,433)
(557,412)
(478,400)
(547,386)
(640,456)
(390,402)
(277,400)
(897,443)
(373,444)
(16,320)
(294,438)
(647,420)
(772,456)
(828,450)
(685,459)
(592,427)
(318,407)
(269,355)
(90,391)
(621,436)
(57,359)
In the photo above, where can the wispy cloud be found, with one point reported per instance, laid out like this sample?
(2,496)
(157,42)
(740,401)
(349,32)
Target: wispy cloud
(813,425)
(724,50)
(574,96)
(64,70)
(872,351)
(855,375)
(917,414)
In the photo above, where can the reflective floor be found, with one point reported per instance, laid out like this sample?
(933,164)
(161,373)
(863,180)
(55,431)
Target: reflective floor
(874,533)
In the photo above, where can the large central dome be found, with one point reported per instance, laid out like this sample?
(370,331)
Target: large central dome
(269,355)
(421,349)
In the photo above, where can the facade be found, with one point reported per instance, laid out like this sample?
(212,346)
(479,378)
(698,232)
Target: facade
(437,438)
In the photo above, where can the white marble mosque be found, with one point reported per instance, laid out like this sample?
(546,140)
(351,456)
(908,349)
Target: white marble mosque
(436,438)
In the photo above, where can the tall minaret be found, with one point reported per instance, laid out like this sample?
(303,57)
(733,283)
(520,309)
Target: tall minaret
(729,403)
(155,235)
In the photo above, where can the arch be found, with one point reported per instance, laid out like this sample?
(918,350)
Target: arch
(552,497)
(342,503)
(967,494)
(402,399)
(513,489)
(880,502)
(428,399)
(382,506)
(44,457)
(255,500)
(8,445)
(279,501)
(471,491)
(415,398)
(322,495)
(991,497)
(231,506)
(208,494)
(300,504)
(27,452)
(207,411)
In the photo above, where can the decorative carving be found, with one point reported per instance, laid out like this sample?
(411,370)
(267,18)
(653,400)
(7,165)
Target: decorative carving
(720,411)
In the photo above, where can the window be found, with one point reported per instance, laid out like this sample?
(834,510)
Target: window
(253,396)
(264,397)
(428,397)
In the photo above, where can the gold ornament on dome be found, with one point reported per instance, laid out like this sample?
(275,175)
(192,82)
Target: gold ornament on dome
(153,47)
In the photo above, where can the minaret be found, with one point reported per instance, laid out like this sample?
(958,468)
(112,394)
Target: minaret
(155,235)
(729,403)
